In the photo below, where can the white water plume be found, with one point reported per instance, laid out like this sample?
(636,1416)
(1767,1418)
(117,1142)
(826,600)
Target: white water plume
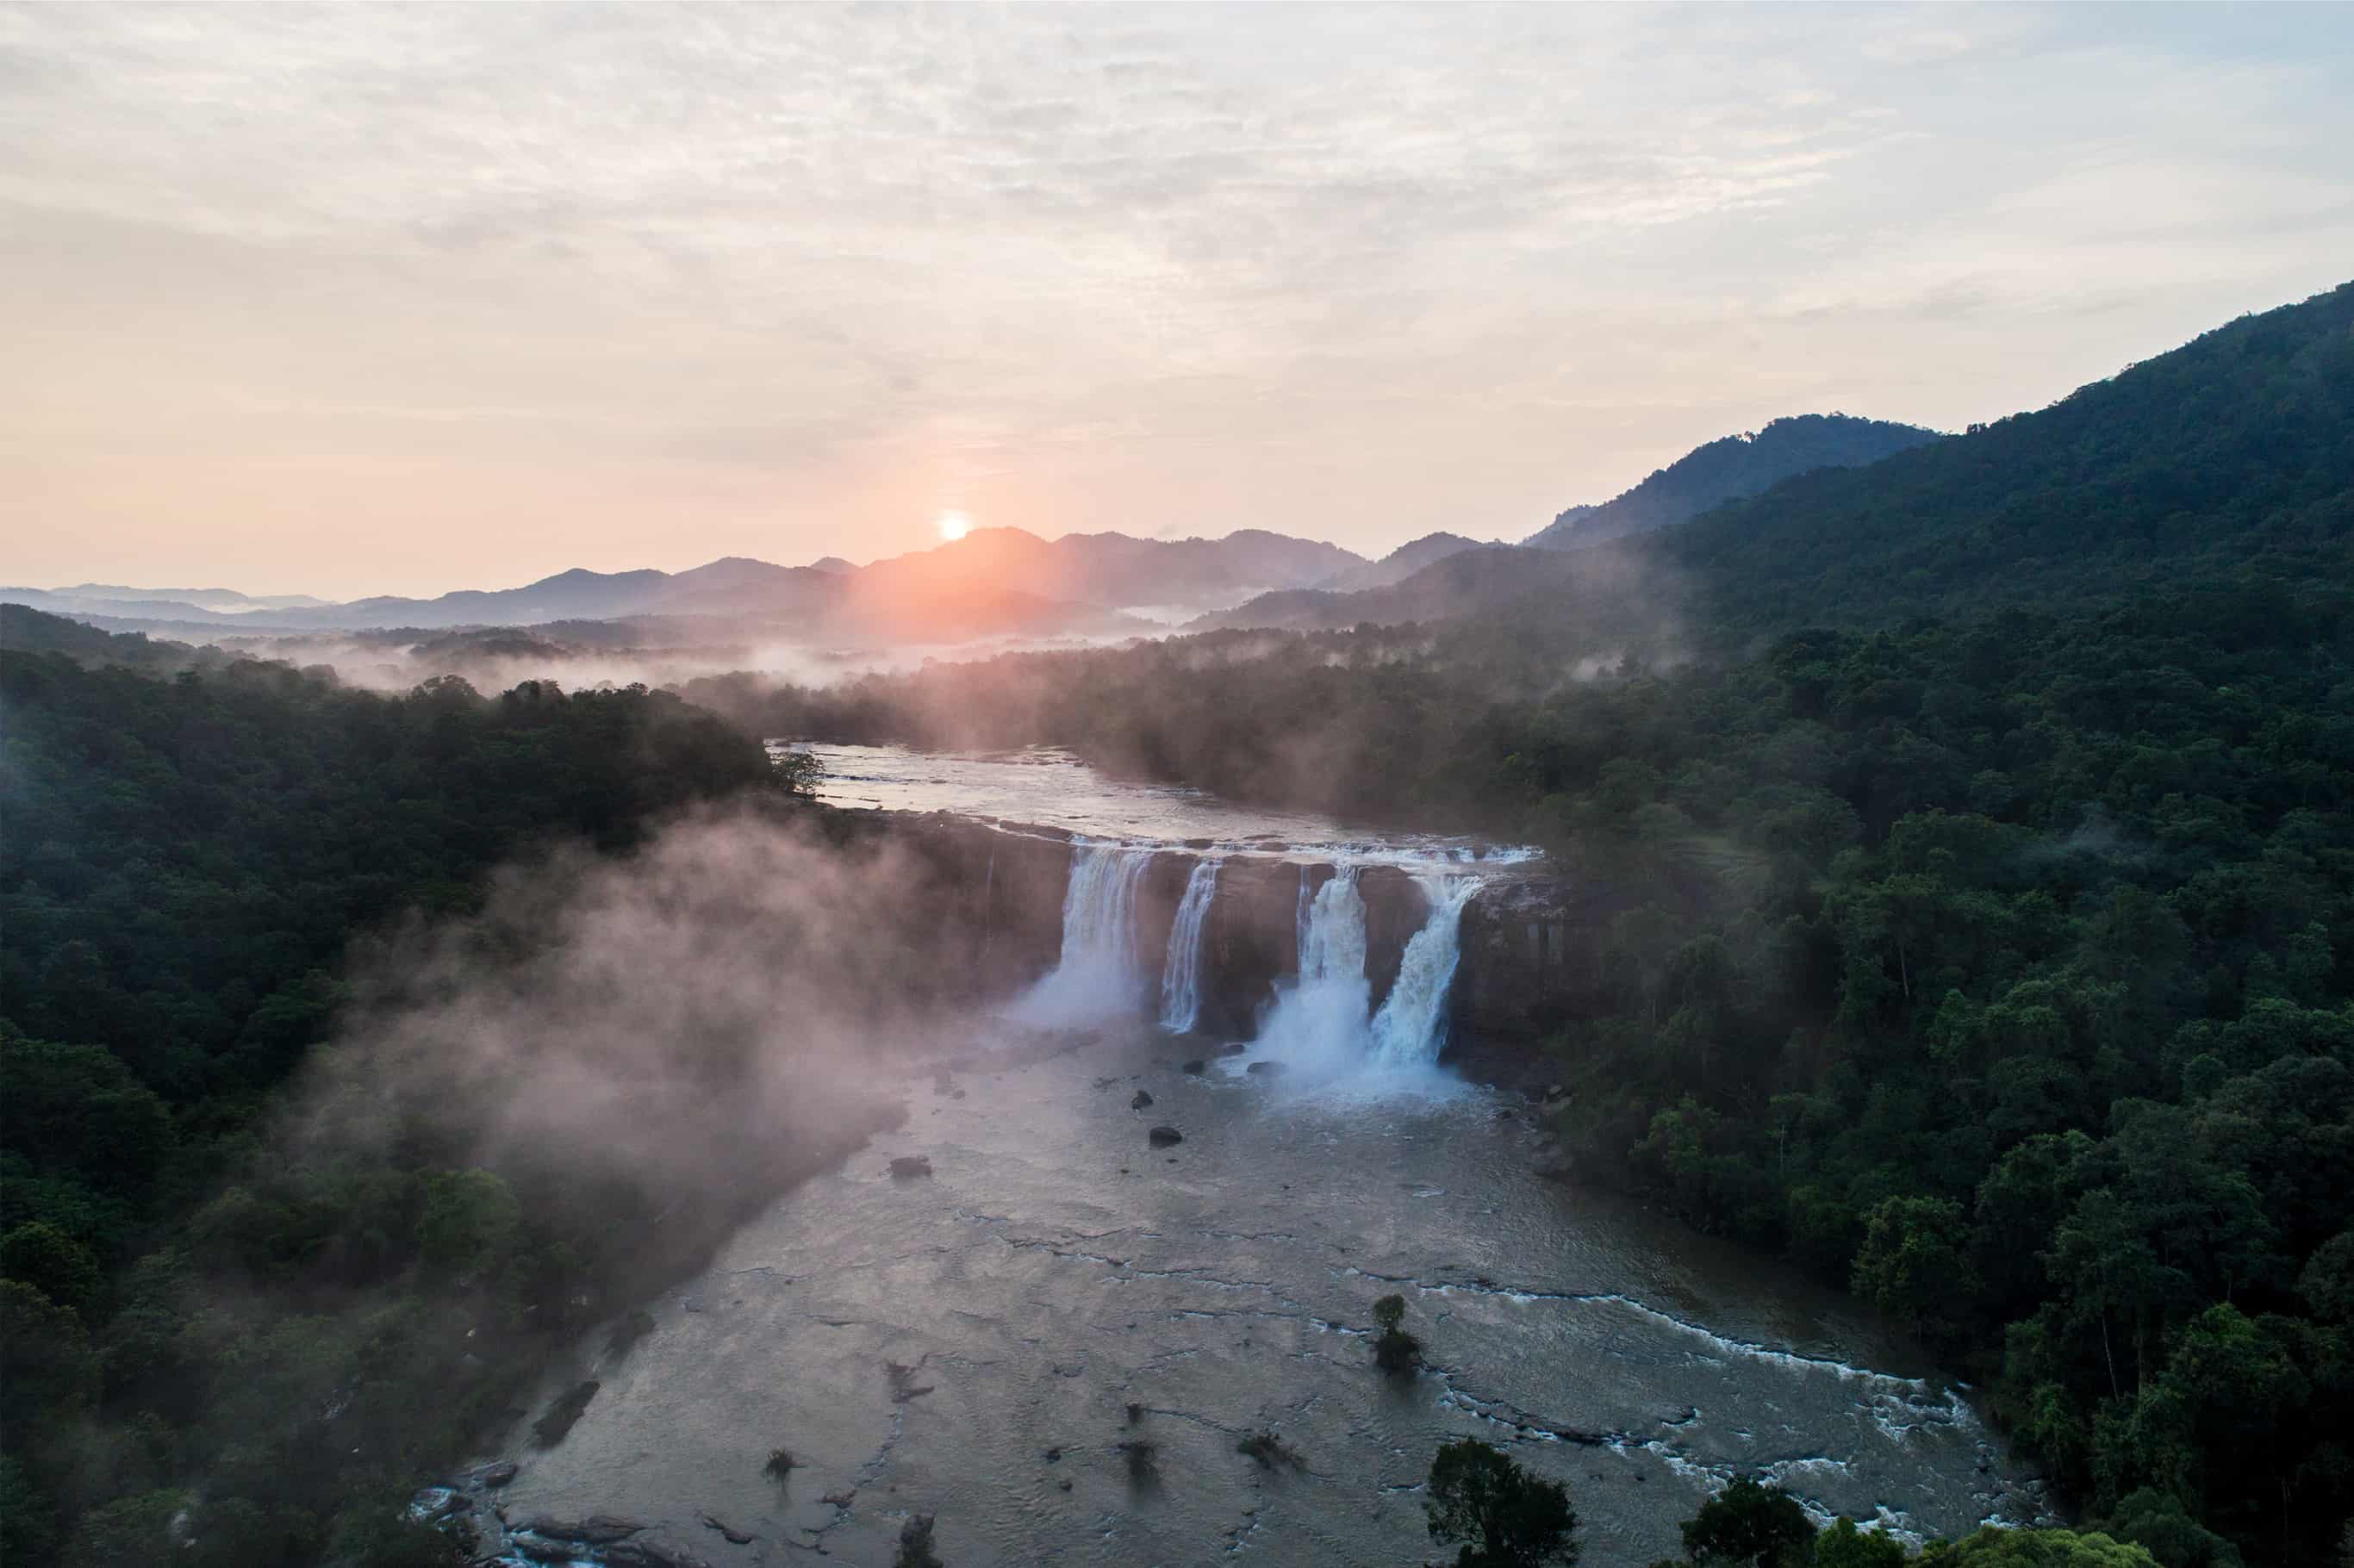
(1180,976)
(1319,1026)
(1411,1028)
(1097,977)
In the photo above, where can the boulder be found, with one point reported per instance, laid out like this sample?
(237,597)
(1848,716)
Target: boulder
(909,1166)
(569,1407)
(1164,1135)
(1197,1066)
(597,1529)
(1270,1068)
(1141,1101)
(650,1555)
(497,1473)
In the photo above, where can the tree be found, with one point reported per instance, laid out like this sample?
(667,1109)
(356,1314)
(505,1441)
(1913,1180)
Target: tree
(1395,1350)
(51,1262)
(1748,1523)
(1991,1546)
(470,1221)
(1845,1546)
(1913,1264)
(1505,1517)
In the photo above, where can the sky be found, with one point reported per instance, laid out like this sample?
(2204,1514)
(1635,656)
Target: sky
(359,300)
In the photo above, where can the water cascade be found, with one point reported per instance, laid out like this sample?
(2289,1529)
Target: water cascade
(1411,1027)
(1097,976)
(1320,1024)
(1180,976)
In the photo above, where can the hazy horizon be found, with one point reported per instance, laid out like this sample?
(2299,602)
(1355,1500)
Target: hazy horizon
(373,301)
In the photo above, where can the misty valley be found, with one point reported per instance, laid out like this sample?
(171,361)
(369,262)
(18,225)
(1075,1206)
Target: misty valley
(1151,786)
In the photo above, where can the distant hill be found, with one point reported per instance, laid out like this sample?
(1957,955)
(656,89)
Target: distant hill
(995,581)
(1401,562)
(1730,469)
(27,630)
(203,598)
(1486,579)
(1113,569)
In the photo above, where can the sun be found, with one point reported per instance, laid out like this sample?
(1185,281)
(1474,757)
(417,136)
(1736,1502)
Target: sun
(953,525)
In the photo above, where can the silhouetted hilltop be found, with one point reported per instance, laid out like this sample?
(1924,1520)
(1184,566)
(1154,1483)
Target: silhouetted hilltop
(1731,467)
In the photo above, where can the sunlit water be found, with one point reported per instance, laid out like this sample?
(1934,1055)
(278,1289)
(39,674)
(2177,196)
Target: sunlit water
(1043,787)
(1057,1269)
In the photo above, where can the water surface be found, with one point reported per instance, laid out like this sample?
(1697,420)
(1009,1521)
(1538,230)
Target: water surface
(1055,1270)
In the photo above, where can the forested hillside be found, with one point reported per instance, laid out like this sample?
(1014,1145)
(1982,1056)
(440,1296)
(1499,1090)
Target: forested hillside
(1730,468)
(2238,446)
(184,860)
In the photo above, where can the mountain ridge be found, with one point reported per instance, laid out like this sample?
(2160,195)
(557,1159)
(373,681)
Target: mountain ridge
(1730,468)
(993,576)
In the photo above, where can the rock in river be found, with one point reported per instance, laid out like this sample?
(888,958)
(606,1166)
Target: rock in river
(1164,1135)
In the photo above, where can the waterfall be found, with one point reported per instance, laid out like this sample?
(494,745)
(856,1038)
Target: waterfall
(1319,1024)
(1300,921)
(1097,977)
(1180,976)
(1411,1027)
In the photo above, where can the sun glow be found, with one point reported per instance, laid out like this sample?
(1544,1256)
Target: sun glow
(953,525)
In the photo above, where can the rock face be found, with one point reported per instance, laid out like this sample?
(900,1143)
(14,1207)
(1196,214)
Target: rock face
(1533,948)
(1532,941)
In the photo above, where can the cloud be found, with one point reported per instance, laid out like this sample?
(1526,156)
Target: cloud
(1326,270)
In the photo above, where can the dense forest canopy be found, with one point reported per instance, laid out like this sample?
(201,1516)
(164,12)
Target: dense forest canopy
(186,858)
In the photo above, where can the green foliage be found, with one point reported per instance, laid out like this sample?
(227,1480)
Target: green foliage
(1842,1545)
(470,1222)
(1991,1547)
(2157,1522)
(1913,1264)
(1750,1523)
(1394,1349)
(51,1262)
(1504,1517)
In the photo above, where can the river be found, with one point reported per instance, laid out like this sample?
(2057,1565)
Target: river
(1054,1340)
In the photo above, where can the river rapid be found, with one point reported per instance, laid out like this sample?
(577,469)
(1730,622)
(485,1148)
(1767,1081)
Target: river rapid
(1055,1340)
